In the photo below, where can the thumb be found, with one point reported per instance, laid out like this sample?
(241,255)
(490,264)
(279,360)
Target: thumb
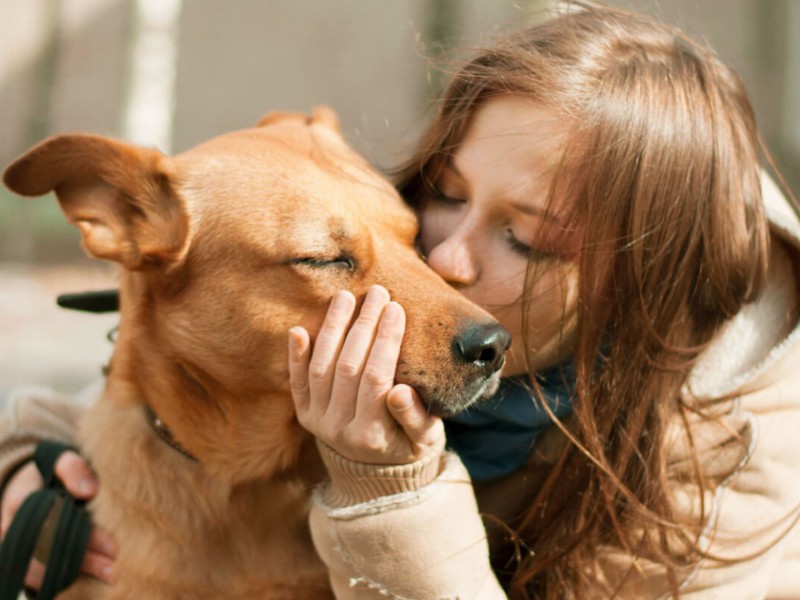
(410,413)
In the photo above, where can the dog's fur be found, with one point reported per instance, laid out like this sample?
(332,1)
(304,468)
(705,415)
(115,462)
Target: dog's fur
(223,248)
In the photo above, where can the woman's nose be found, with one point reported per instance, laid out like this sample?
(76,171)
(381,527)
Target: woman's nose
(453,260)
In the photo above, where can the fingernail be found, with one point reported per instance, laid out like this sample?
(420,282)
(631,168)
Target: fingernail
(340,301)
(86,486)
(293,341)
(392,312)
(107,573)
(401,400)
(375,295)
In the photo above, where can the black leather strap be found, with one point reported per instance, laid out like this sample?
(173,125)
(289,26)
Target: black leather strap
(19,543)
(45,457)
(69,540)
(97,301)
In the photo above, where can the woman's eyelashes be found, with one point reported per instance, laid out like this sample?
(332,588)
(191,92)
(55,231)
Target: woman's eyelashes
(517,246)
(525,251)
(438,196)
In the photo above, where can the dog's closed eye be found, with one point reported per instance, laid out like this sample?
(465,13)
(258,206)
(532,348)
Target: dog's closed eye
(342,261)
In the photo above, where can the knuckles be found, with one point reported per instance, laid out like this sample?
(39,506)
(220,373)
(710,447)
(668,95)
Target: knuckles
(299,390)
(375,377)
(348,368)
(318,371)
(363,442)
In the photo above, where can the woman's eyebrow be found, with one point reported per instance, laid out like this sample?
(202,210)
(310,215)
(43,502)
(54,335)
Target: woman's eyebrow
(523,207)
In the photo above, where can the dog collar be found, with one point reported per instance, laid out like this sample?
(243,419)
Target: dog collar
(164,433)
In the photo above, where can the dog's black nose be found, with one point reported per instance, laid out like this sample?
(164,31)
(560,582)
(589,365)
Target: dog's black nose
(483,346)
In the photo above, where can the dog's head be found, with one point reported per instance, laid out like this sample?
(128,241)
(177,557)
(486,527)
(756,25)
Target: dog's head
(228,245)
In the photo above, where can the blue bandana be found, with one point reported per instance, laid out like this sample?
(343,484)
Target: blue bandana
(494,437)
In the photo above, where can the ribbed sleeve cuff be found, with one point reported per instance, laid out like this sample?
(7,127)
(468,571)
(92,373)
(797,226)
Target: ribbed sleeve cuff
(353,482)
(12,456)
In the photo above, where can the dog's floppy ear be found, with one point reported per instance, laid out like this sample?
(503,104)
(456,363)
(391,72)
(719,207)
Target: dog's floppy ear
(120,196)
(322,114)
(328,117)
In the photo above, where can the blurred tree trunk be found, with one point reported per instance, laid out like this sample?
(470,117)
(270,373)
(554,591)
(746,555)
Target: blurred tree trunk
(19,242)
(38,125)
(150,105)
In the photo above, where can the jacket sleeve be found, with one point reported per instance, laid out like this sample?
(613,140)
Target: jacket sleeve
(408,531)
(35,414)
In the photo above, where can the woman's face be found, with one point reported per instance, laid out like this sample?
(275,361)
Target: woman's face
(486,217)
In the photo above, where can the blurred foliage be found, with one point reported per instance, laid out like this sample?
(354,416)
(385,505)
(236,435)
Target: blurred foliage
(35,230)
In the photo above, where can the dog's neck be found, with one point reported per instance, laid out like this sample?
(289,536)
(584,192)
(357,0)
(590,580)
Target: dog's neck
(236,434)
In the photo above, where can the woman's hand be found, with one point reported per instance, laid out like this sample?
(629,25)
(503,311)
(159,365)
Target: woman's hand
(80,481)
(344,391)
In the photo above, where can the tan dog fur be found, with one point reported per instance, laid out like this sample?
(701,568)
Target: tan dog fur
(223,248)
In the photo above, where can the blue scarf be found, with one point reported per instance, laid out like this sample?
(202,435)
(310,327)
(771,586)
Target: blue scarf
(494,437)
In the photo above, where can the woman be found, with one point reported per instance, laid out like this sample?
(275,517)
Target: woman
(594,183)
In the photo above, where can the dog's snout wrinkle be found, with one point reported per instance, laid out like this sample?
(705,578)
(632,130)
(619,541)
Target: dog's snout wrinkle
(483,346)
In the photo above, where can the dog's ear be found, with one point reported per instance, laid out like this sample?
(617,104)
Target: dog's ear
(322,114)
(121,197)
(276,116)
(328,117)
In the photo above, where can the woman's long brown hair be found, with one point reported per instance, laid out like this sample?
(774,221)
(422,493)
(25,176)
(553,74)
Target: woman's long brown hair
(661,169)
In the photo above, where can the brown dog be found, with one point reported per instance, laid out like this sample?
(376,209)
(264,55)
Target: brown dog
(223,248)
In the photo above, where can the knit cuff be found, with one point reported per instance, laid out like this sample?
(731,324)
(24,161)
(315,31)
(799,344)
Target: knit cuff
(13,455)
(353,482)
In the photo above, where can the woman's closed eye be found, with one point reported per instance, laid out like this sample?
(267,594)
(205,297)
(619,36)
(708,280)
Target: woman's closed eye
(524,250)
(438,196)
(517,246)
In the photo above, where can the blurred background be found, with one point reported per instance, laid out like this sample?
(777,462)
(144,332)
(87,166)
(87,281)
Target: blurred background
(172,73)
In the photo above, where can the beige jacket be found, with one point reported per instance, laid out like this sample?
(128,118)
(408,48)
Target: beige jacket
(390,533)
(415,531)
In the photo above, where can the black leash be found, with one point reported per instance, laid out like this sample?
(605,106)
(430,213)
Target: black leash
(64,546)
(51,523)
(98,302)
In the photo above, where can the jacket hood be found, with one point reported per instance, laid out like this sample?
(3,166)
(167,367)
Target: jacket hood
(763,331)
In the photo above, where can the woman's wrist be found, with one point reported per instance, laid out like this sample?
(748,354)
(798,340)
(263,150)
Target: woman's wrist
(352,482)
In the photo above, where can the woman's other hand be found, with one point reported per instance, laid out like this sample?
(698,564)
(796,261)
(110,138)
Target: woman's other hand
(344,391)
(76,475)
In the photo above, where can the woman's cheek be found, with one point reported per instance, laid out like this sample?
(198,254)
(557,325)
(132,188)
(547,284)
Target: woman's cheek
(434,227)
(551,322)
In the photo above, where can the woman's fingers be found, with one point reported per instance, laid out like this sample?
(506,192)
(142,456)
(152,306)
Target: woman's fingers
(422,428)
(96,565)
(327,347)
(299,357)
(380,368)
(76,475)
(343,389)
(354,356)
(101,543)
(70,468)
(78,478)
(35,575)
(99,566)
